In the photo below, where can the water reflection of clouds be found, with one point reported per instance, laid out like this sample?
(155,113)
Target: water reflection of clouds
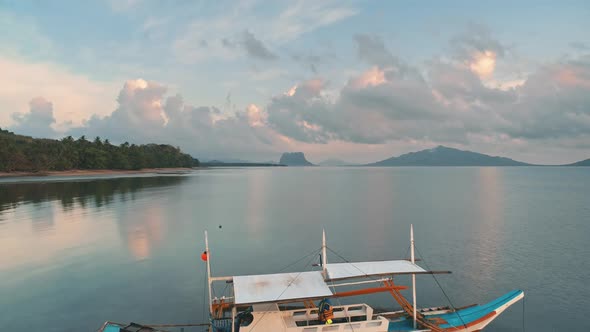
(379,193)
(142,230)
(256,200)
(42,234)
(489,228)
(42,222)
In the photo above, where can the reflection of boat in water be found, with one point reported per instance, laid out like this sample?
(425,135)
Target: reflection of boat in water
(267,302)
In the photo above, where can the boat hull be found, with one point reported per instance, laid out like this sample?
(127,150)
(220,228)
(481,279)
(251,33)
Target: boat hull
(477,317)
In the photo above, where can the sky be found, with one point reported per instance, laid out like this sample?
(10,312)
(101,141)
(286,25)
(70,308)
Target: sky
(359,81)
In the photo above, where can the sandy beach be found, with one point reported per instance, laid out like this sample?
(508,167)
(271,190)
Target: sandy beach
(90,172)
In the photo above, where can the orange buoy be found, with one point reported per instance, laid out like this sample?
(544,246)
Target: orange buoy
(204,256)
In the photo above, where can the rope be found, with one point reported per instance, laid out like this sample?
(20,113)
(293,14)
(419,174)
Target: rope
(439,286)
(224,288)
(408,250)
(289,285)
(299,260)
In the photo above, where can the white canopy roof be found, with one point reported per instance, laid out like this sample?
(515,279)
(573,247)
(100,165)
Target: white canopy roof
(365,269)
(279,287)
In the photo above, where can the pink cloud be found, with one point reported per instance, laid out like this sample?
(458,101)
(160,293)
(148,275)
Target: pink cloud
(74,97)
(372,77)
(572,76)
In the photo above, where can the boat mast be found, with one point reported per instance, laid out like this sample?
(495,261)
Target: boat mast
(324,258)
(413,275)
(208,273)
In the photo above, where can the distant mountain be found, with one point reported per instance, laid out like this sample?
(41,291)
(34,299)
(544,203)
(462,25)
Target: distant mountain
(294,159)
(222,162)
(228,160)
(217,163)
(580,163)
(334,162)
(444,156)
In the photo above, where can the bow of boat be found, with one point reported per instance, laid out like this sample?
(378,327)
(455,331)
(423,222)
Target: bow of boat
(473,318)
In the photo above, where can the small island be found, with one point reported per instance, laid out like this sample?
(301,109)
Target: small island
(294,159)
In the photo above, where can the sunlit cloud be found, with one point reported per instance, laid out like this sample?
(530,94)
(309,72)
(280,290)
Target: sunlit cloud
(291,91)
(371,77)
(483,64)
(256,117)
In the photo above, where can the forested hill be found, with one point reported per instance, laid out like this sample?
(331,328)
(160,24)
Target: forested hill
(444,156)
(27,154)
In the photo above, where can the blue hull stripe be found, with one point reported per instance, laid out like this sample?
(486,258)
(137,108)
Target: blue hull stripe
(464,316)
(474,313)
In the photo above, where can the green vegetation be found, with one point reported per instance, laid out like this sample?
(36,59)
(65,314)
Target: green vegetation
(27,154)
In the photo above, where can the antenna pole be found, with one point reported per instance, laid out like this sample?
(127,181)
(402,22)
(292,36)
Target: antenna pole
(324,258)
(413,275)
(208,273)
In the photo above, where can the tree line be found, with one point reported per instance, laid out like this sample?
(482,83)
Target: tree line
(27,154)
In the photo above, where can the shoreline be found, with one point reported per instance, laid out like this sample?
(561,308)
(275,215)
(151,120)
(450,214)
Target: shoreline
(91,172)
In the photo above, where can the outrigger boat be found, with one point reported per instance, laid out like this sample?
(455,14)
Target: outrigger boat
(268,302)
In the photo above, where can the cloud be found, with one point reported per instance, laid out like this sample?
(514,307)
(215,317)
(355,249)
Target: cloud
(460,99)
(22,35)
(477,38)
(140,112)
(74,96)
(146,114)
(372,50)
(380,107)
(38,121)
(154,23)
(459,86)
(371,77)
(449,104)
(255,48)
(123,5)
(230,25)
(483,63)
(304,16)
(310,61)
(256,117)
(579,46)
(478,50)
(362,113)
(554,102)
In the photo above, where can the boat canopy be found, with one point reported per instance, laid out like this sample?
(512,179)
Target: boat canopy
(279,287)
(337,271)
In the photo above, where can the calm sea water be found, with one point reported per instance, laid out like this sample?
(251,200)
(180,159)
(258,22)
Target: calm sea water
(77,252)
